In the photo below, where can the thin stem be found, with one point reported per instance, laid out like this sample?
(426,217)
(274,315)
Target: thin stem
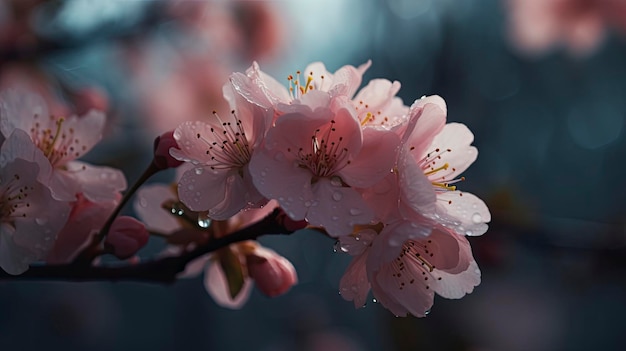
(92,251)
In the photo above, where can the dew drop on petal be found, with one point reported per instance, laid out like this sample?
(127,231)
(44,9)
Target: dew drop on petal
(307,203)
(469,232)
(355,211)
(199,171)
(190,186)
(279,156)
(335,181)
(337,196)
(374,301)
(477,218)
(41,220)
(143,202)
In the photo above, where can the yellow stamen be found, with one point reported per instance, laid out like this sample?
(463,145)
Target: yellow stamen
(367,118)
(435,170)
(50,147)
(444,186)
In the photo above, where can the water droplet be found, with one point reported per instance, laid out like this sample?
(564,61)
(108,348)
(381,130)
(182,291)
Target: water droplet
(394,242)
(355,211)
(279,156)
(469,232)
(204,222)
(334,218)
(143,202)
(41,220)
(477,218)
(199,171)
(374,301)
(337,196)
(336,246)
(427,313)
(190,186)
(335,181)
(307,203)
(263,173)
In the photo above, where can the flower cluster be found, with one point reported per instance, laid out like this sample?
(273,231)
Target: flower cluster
(51,203)
(359,165)
(377,175)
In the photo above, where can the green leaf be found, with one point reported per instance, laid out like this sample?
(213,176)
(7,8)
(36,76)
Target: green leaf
(232,270)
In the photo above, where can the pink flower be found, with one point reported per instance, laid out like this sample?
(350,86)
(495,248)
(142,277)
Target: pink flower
(440,263)
(316,155)
(30,217)
(220,150)
(375,104)
(263,90)
(60,141)
(273,274)
(126,236)
(85,220)
(432,156)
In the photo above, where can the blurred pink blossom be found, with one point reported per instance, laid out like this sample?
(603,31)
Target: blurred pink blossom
(579,25)
(30,217)
(60,142)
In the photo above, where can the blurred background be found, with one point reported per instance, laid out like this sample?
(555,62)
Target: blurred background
(541,83)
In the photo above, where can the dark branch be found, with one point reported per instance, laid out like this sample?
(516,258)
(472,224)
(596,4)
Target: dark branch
(162,270)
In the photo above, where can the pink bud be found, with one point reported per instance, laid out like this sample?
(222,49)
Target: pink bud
(126,236)
(273,274)
(162,146)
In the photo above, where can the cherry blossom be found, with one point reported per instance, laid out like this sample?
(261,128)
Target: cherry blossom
(220,149)
(30,217)
(432,156)
(315,156)
(61,141)
(376,103)
(440,263)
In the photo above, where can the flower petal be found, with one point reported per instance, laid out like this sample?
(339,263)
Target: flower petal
(148,207)
(375,159)
(97,183)
(203,190)
(216,285)
(464,212)
(354,285)
(336,208)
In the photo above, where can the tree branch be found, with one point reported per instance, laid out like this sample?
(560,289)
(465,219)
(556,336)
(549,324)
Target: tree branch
(163,270)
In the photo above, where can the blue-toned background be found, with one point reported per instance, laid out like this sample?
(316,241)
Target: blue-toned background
(548,126)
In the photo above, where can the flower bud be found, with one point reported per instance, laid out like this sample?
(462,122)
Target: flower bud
(126,236)
(273,274)
(162,145)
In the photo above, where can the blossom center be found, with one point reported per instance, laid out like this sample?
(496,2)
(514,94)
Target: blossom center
(228,145)
(434,170)
(299,85)
(56,143)
(419,256)
(326,154)
(13,198)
